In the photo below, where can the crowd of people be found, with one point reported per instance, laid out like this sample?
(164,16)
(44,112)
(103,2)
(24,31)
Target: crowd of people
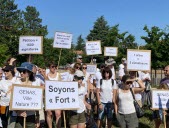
(102,94)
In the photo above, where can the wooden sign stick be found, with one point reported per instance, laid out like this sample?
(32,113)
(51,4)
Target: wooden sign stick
(59,57)
(64,119)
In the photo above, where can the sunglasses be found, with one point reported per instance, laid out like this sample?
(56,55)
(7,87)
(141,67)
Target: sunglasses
(77,67)
(53,66)
(129,82)
(80,58)
(24,71)
(6,70)
(78,78)
(84,67)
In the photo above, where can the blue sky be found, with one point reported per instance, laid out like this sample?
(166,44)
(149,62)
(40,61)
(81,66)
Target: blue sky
(78,16)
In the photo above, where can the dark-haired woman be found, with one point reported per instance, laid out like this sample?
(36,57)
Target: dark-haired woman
(27,78)
(105,89)
(124,107)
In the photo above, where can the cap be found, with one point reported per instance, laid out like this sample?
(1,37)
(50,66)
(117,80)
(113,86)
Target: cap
(79,56)
(79,73)
(25,66)
(110,61)
(8,68)
(123,59)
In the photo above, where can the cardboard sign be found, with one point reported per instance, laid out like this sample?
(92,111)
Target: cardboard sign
(160,99)
(110,51)
(30,45)
(93,47)
(62,40)
(61,95)
(91,68)
(138,60)
(26,97)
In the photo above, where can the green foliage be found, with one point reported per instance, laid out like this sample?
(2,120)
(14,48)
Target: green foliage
(3,53)
(157,42)
(80,43)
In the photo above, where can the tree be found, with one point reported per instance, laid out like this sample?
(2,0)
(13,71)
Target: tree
(155,41)
(80,43)
(9,25)
(32,22)
(99,31)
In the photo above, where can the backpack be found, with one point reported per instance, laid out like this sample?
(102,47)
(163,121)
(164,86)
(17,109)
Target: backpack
(101,81)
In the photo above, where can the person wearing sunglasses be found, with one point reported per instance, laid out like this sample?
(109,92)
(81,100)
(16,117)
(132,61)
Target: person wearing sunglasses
(77,117)
(32,117)
(5,92)
(77,66)
(123,102)
(53,75)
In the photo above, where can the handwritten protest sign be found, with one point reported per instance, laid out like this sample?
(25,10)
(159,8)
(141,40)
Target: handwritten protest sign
(62,40)
(26,98)
(61,95)
(110,51)
(138,60)
(93,47)
(91,68)
(30,45)
(160,99)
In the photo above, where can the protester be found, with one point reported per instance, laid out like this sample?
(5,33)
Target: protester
(79,59)
(32,117)
(146,95)
(158,114)
(77,117)
(5,92)
(105,89)
(164,84)
(124,107)
(110,63)
(53,75)
(122,67)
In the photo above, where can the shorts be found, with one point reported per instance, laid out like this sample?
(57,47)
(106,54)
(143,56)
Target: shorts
(107,110)
(76,118)
(127,120)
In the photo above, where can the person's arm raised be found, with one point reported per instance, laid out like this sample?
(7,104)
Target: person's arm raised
(139,89)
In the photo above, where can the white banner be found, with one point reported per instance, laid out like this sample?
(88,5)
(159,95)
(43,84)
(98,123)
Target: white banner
(26,98)
(160,99)
(93,47)
(138,60)
(62,40)
(30,45)
(110,51)
(61,95)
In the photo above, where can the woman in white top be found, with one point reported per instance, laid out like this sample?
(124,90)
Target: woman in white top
(53,75)
(105,89)
(77,117)
(5,92)
(124,107)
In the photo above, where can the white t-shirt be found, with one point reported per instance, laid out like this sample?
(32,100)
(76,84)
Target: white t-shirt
(106,90)
(97,77)
(121,70)
(5,86)
(143,75)
(113,73)
(138,95)
(81,92)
